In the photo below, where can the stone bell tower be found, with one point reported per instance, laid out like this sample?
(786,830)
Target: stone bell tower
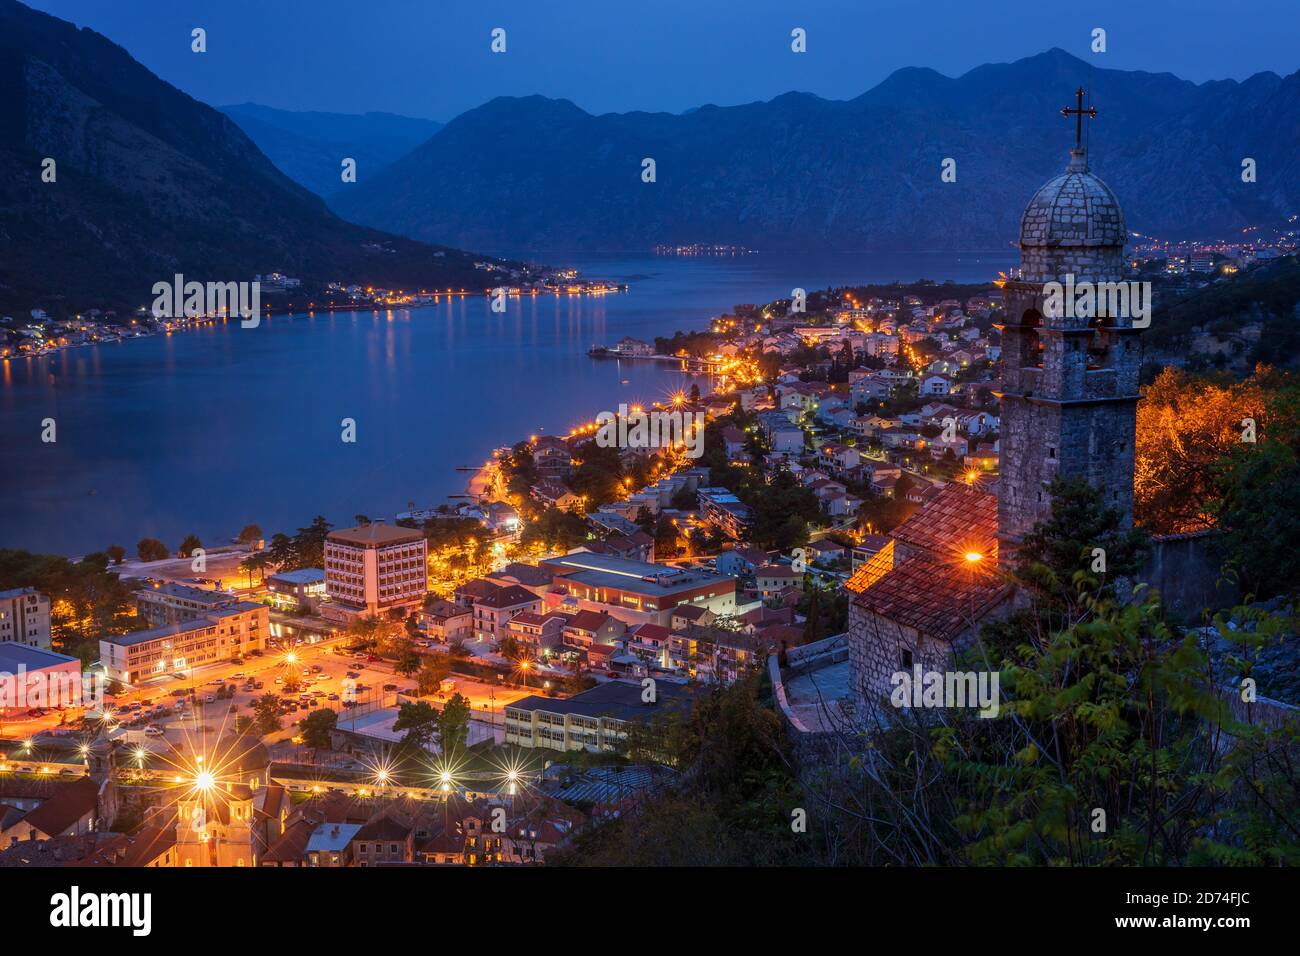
(1069,376)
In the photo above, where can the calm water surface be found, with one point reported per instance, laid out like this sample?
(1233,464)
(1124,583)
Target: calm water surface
(209,429)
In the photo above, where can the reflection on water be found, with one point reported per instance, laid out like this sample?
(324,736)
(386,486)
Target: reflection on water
(209,429)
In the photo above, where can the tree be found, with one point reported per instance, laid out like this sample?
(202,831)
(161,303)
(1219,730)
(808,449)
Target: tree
(189,545)
(420,721)
(282,552)
(255,562)
(117,553)
(250,534)
(1255,501)
(316,728)
(408,662)
(309,544)
(453,724)
(1185,425)
(151,549)
(812,630)
(266,714)
(435,668)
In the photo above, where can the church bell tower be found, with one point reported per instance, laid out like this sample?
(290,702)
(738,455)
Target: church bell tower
(1069,376)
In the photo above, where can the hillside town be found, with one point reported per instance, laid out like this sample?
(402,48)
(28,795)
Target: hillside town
(480,682)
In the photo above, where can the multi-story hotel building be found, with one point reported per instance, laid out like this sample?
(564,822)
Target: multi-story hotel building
(25,617)
(372,569)
(218,636)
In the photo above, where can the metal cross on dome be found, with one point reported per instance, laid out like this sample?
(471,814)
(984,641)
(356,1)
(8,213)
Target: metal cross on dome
(1079,113)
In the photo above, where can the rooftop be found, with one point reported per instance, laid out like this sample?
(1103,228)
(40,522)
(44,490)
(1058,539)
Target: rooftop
(301,576)
(171,630)
(939,600)
(375,535)
(14,655)
(618,699)
(610,571)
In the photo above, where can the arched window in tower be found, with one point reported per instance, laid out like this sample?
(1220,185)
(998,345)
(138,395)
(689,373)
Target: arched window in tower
(1098,344)
(1032,348)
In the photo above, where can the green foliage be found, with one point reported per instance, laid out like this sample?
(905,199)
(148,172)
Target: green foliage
(87,600)
(453,724)
(151,549)
(1256,508)
(420,721)
(783,509)
(555,529)
(316,728)
(266,714)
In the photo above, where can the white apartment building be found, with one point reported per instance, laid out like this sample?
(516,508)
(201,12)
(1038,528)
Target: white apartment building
(25,617)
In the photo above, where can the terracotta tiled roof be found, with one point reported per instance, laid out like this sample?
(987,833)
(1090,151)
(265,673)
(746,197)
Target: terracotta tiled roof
(958,518)
(938,600)
(588,621)
(291,846)
(510,596)
(139,849)
(65,806)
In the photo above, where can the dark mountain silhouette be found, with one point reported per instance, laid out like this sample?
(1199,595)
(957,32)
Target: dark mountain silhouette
(309,147)
(801,172)
(151,182)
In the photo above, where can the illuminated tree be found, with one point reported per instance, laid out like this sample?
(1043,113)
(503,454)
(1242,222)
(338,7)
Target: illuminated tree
(1185,426)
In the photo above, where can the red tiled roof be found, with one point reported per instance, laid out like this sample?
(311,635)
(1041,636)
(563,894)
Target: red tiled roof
(938,600)
(958,518)
(588,621)
(508,596)
(652,632)
(291,846)
(64,807)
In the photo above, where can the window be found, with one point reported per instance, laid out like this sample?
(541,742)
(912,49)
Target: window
(907,659)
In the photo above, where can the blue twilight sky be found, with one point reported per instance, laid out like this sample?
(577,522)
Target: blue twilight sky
(431,58)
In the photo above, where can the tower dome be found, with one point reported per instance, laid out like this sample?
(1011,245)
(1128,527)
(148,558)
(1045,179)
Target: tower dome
(1073,225)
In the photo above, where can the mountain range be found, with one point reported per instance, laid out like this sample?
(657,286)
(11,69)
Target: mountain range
(532,174)
(309,146)
(149,182)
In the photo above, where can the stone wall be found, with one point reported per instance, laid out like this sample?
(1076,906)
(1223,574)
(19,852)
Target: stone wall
(1186,572)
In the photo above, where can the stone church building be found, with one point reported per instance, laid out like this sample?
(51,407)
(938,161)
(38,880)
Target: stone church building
(1069,408)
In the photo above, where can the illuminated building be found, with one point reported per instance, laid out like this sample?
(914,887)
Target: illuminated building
(373,568)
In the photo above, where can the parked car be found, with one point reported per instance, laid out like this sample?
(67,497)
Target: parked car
(333,697)
(316,668)
(390,687)
(154,732)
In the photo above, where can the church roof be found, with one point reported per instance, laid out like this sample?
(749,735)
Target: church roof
(938,600)
(1073,209)
(956,520)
